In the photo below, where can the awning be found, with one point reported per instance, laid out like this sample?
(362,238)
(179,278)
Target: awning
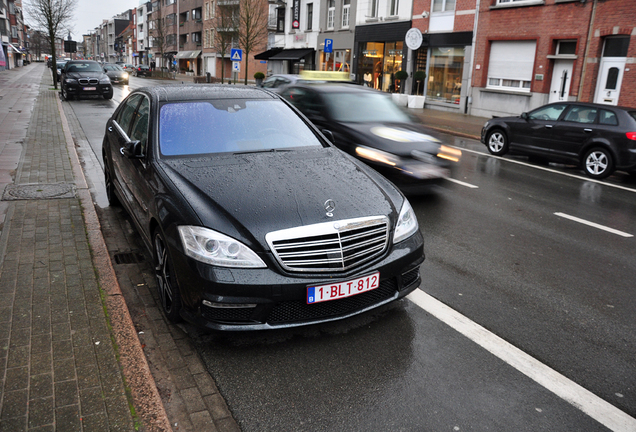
(15,49)
(291,54)
(267,54)
(188,54)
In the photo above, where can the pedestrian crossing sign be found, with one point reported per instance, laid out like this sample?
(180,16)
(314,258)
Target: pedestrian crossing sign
(236,55)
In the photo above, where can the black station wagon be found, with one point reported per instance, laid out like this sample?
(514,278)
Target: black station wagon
(254,219)
(599,138)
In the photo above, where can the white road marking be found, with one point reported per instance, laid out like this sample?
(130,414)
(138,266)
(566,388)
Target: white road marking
(595,225)
(592,405)
(547,169)
(468,185)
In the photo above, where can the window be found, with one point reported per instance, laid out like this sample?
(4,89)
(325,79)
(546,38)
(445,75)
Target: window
(616,46)
(139,130)
(443,5)
(394,7)
(310,15)
(608,118)
(196,37)
(511,65)
(331,13)
(566,47)
(346,12)
(374,9)
(125,116)
(506,2)
(169,2)
(196,14)
(280,20)
(445,74)
(579,114)
(550,112)
(171,19)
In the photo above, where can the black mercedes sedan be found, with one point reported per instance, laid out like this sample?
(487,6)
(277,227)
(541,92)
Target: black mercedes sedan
(85,78)
(366,124)
(254,220)
(598,138)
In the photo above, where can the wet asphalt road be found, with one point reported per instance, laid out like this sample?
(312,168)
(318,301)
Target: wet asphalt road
(498,253)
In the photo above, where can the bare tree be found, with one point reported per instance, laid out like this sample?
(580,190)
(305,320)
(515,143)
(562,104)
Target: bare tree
(53,18)
(253,15)
(158,34)
(226,26)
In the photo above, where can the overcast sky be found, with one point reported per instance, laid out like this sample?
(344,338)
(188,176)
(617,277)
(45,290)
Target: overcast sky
(90,13)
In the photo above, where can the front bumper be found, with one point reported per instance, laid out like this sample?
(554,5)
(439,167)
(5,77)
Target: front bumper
(89,89)
(258,299)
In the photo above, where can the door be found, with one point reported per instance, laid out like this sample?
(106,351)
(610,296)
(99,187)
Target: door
(610,75)
(561,80)
(576,128)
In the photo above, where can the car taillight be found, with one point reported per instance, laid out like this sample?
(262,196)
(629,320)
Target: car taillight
(631,135)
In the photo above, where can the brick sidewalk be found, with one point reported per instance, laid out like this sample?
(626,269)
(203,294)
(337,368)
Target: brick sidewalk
(59,366)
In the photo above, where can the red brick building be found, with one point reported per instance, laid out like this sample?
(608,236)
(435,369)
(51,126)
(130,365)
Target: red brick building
(532,52)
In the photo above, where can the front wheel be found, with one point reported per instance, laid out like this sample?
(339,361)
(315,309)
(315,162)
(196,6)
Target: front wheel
(65,94)
(108,95)
(598,163)
(166,281)
(497,143)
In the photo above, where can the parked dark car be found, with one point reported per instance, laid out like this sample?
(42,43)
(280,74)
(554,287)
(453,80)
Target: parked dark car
(367,124)
(85,78)
(116,74)
(142,70)
(59,64)
(252,224)
(598,138)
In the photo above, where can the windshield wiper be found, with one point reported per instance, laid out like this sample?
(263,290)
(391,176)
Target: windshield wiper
(274,150)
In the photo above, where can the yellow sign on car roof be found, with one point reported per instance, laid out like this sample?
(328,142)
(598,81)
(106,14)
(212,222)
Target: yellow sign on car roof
(325,75)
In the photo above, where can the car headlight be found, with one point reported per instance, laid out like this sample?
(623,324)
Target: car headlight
(125,74)
(104,80)
(376,155)
(211,247)
(407,223)
(70,81)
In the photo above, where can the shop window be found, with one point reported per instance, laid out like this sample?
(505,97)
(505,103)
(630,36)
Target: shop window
(445,74)
(511,65)
(331,13)
(346,10)
(370,64)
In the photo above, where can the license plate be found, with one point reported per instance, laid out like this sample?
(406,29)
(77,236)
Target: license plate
(90,88)
(321,293)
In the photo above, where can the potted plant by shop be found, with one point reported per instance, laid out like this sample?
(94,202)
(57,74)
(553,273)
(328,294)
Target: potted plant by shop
(258,76)
(400,98)
(417,101)
(402,76)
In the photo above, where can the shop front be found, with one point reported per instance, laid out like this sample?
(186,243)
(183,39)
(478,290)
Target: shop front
(340,57)
(380,54)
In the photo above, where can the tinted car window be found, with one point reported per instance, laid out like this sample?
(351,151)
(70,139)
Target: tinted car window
(363,107)
(608,118)
(550,112)
(581,114)
(140,126)
(125,116)
(230,126)
(83,67)
(633,114)
(112,68)
(270,82)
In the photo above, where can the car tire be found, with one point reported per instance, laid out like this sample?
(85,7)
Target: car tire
(497,142)
(598,163)
(166,282)
(109,95)
(65,94)
(113,201)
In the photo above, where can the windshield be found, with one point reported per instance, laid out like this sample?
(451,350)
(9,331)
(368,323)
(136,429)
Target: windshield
(112,68)
(361,107)
(83,67)
(230,125)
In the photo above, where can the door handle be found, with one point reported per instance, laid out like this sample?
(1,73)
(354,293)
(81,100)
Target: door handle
(548,126)
(587,130)
(121,150)
(110,128)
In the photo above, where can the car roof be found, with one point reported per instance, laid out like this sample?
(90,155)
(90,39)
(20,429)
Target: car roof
(197,92)
(334,87)
(593,105)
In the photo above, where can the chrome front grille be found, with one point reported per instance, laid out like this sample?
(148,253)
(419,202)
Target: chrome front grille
(330,246)
(87,81)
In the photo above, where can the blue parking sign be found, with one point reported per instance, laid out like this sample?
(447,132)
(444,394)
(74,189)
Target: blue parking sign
(328,45)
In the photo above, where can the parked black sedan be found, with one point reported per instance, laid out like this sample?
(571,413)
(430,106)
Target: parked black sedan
(599,138)
(116,74)
(254,219)
(85,78)
(367,124)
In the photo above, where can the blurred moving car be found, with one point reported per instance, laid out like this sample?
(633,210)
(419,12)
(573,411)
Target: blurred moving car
(116,74)
(599,138)
(278,82)
(367,124)
(128,67)
(85,78)
(142,70)
(248,223)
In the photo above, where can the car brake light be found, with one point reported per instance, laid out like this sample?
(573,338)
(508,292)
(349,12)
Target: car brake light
(631,135)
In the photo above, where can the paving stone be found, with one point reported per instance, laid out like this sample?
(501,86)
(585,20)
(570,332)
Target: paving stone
(67,419)
(41,412)
(41,386)
(66,393)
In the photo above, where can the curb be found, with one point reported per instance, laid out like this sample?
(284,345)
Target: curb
(139,379)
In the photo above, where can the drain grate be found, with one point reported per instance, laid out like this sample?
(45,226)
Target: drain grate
(129,258)
(38,191)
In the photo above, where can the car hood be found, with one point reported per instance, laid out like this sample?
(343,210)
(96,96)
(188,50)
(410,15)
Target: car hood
(77,75)
(248,195)
(397,138)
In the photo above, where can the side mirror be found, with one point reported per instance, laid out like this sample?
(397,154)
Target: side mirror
(329,135)
(524,115)
(132,150)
